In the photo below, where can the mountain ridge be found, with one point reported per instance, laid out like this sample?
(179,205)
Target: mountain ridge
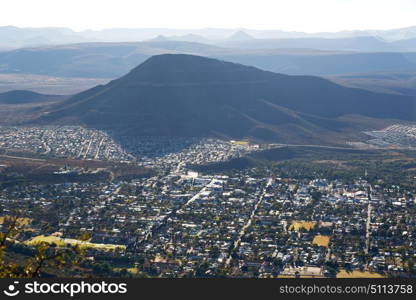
(112,60)
(25,97)
(187,95)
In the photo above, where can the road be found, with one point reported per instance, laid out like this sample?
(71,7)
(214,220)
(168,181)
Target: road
(149,233)
(89,146)
(368,232)
(237,242)
(24,158)
(179,167)
(197,195)
(318,146)
(98,149)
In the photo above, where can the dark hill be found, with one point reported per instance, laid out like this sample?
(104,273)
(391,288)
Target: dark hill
(25,97)
(186,95)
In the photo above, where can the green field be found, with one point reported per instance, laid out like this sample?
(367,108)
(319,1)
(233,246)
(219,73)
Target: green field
(62,242)
(358,274)
(321,240)
(297,225)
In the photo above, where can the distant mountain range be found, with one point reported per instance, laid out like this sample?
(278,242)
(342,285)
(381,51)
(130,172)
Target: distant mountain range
(187,95)
(361,44)
(111,60)
(12,37)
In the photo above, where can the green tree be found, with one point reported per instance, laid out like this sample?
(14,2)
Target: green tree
(45,255)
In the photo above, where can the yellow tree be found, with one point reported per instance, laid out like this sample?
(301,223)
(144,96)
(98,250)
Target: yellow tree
(45,256)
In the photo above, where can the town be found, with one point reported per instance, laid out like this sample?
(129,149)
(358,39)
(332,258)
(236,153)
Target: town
(251,223)
(397,135)
(89,144)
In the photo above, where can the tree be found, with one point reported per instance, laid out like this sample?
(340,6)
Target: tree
(45,255)
(411,267)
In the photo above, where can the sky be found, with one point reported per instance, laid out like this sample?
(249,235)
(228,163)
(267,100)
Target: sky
(288,15)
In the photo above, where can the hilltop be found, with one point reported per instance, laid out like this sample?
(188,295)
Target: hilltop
(187,95)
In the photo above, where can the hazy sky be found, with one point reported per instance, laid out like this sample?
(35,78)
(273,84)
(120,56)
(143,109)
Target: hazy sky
(299,15)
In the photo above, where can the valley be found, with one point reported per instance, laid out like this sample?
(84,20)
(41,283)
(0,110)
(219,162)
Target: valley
(175,159)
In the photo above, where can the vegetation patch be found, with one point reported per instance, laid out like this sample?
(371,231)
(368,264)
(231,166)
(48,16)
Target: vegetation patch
(63,242)
(20,221)
(321,240)
(239,142)
(298,225)
(358,274)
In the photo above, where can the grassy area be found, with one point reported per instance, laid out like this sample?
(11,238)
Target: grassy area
(20,221)
(62,242)
(321,240)
(358,274)
(133,271)
(240,142)
(297,225)
(48,239)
